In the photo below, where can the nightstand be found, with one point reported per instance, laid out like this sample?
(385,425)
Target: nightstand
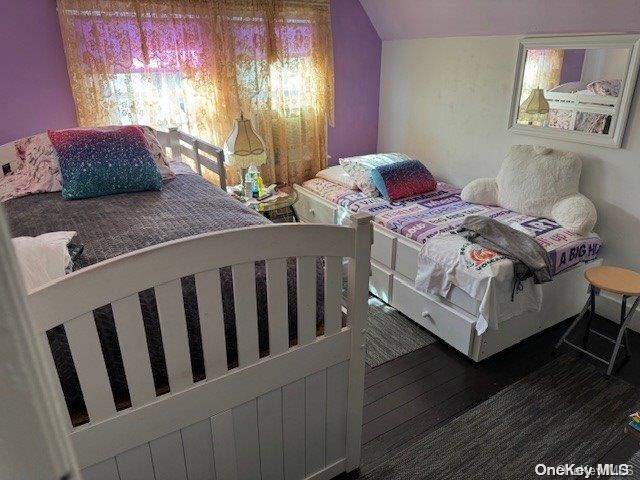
(277,208)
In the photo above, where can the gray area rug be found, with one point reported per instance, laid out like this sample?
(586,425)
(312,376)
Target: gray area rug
(565,412)
(635,463)
(390,334)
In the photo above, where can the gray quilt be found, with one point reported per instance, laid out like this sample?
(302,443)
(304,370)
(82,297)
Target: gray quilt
(118,224)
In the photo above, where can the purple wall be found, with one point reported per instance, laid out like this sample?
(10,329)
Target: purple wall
(453,18)
(34,86)
(35,93)
(572,65)
(357,53)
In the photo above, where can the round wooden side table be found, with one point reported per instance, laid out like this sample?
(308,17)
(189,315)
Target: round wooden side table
(616,280)
(273,209)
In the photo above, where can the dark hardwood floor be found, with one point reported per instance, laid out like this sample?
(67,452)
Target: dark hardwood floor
(407,398)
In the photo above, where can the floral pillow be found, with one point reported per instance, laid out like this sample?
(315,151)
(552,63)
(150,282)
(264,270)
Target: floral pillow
(359,168)
(158,153)
(34,169)
(605,87)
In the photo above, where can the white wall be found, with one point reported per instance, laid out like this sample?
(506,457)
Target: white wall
(446,101)
(604,64)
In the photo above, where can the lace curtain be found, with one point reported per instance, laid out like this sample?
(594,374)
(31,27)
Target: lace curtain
(542,69)
(195,64)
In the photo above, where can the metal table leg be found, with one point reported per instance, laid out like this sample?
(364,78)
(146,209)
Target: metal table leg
(575,322)
(625,318)
(627,347)
(592,315)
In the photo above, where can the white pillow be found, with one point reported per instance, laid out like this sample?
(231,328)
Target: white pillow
(43,258)
(336,174)
(359,168)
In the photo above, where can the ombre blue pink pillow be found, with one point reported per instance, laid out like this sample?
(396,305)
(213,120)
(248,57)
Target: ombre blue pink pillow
(94,163)
(403,179)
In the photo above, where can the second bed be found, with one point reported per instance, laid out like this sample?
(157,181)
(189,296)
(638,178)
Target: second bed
(402,227)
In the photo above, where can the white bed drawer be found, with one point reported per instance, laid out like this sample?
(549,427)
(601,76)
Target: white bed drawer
(313,211)
(463,300)
(407,258)
(382,248)
(380,282)
(406,263)
(453,326)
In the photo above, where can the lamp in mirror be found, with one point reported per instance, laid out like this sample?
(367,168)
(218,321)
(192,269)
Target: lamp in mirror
(535,107)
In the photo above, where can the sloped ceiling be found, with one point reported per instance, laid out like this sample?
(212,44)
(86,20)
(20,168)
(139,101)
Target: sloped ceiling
(405,19)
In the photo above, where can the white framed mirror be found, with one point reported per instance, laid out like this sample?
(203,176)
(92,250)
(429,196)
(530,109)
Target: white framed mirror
(575,88)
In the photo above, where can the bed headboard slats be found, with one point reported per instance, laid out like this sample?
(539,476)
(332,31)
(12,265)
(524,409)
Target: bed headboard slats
(181,144)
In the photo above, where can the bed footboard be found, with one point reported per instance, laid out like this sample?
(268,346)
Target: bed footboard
(294,413)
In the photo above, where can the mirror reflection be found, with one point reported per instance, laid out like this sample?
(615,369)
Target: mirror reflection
(573,89)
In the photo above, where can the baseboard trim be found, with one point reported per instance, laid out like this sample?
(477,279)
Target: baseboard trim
(608,306)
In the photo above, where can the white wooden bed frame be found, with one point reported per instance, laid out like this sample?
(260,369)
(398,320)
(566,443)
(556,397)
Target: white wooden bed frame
(394,263)
(294,414)
(185,147)
(565,97)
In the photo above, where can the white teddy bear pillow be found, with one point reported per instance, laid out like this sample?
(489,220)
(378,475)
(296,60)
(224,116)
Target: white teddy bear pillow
(538,181)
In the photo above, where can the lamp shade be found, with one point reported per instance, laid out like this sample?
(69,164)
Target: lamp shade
(535,103)
(244,147)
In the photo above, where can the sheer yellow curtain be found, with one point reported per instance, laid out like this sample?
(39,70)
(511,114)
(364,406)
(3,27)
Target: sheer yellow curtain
(542,69)
(195,64)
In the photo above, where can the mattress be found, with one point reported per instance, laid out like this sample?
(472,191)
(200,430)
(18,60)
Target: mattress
(442,210)
(114,225)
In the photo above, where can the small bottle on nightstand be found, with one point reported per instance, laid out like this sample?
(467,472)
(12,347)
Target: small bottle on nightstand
(248,185)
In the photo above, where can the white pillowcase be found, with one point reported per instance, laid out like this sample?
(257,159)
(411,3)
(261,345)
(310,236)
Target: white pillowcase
(359,168)
(43,258)
(336,174)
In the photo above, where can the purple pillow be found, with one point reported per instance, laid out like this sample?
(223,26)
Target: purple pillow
(403,179)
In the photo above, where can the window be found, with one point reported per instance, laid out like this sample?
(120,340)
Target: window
(196,65)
